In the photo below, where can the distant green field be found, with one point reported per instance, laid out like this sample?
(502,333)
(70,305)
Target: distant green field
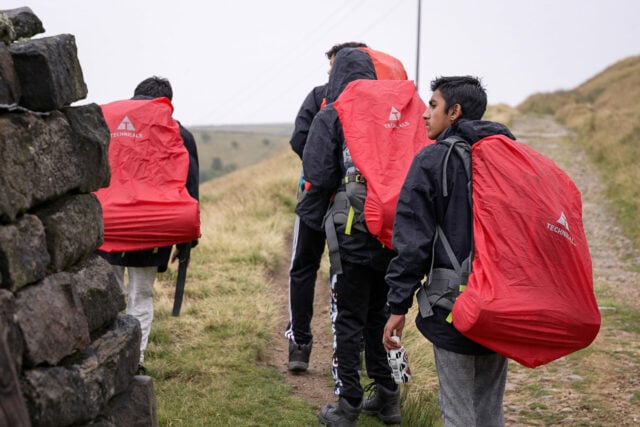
(224,149)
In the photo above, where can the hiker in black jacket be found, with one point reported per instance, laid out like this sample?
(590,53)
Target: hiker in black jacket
(143,265)
(472,377)
(359,291)
(308,243)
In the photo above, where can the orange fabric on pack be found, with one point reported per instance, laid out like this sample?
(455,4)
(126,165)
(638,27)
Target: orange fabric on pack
(387,67)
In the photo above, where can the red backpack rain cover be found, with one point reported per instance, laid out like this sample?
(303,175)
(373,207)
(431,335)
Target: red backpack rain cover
(146,204)
(530,293)
(383,128)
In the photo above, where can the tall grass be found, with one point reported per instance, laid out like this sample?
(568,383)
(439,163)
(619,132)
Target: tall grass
(208,363)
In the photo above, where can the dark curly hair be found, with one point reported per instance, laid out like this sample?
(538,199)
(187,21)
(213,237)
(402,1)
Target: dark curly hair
(336,48)
(464,90)
(154,87)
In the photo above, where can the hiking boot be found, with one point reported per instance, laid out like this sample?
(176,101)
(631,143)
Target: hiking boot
(299,356)
(341,415)
(383,403)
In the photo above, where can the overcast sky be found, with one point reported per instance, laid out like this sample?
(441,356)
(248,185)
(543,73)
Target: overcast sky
(254,61)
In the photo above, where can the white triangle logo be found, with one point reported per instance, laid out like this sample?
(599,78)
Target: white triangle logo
(563,221)
(394,115)
(126,124)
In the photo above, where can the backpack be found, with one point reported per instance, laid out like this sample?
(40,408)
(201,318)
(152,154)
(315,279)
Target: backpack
(146,204)
(526,289)
(383,131)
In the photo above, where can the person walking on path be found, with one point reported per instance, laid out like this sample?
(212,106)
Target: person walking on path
(472,378)
(308,243)
(143,265)
(358,289)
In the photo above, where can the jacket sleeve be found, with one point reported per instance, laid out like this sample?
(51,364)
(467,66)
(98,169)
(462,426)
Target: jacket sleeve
(309,108)
(193,177)
(413,233)
(321,164)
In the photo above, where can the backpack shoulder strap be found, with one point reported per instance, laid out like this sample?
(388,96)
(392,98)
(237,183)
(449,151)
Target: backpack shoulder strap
(444,285)
(463,150)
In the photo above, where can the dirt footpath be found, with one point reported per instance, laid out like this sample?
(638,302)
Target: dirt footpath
(315,385)
(598,386)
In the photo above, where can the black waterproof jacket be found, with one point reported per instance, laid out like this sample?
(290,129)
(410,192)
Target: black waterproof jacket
(308,110)
(420,207)
(323,164)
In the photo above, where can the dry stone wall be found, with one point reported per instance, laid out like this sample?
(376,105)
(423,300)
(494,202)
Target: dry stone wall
(68,356)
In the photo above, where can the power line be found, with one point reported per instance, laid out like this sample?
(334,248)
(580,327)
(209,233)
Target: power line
(240,100)
(246,101)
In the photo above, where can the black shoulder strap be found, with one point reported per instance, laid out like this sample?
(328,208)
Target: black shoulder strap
(463,150)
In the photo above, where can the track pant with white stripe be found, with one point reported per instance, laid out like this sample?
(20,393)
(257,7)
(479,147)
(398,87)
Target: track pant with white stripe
(306,255)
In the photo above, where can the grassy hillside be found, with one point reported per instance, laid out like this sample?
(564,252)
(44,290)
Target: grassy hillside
(605,113)
(227,148)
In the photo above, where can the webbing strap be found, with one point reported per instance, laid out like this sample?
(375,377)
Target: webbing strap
(440,289)
(448,249)
(332,242)
(350,216)
(354,177)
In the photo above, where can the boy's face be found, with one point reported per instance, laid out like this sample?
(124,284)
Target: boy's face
(436,117)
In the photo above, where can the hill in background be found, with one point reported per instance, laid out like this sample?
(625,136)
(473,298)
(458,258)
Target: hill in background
(605,113)
(223,149)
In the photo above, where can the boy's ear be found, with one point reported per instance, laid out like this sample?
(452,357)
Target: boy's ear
(455,112)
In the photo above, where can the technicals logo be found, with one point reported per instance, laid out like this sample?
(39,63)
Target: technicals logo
(563,221)
(394,119)
(394,115)
(563,229)
(126,124)
(126,128)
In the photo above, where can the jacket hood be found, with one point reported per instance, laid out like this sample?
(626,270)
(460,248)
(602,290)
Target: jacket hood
(475,130)
(349,64)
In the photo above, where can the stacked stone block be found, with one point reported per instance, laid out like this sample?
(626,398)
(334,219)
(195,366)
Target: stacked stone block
(68,356)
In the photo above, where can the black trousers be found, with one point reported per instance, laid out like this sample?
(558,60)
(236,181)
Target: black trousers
(307,248)
(360,293)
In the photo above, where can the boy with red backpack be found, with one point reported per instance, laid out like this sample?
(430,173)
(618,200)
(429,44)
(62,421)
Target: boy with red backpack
(360,260)
(151,203)
(472,377)
(308,243)
(496,229)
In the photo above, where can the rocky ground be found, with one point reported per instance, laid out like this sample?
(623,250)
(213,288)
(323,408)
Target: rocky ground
(599,386)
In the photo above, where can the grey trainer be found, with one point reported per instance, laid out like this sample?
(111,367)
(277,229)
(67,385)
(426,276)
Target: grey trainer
(383,403)
(299,356)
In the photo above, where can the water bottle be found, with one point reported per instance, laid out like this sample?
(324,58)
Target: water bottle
(399,363)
